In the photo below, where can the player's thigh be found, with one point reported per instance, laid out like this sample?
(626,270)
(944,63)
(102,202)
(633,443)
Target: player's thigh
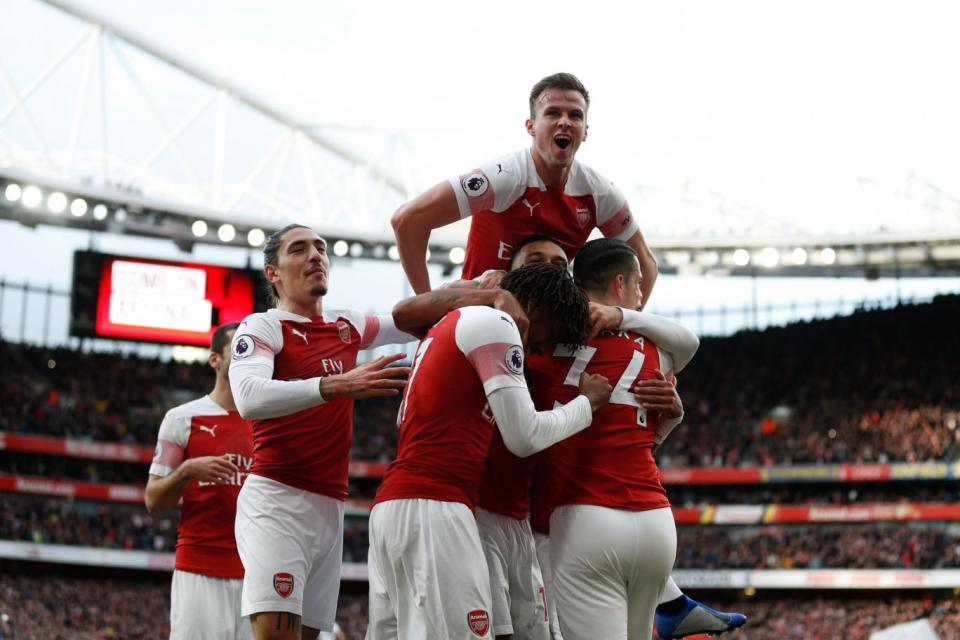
(587,545)
(528,599)
(323,580)
(442,586)
(656,549)
(495,540)
(382,616)
(542,544)
(274,531)
(206,608)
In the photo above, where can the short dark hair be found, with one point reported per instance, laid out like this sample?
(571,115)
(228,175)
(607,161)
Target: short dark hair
(600,261)
(551,288)
(220,339)
(564,81)
(271,250)
(536,237)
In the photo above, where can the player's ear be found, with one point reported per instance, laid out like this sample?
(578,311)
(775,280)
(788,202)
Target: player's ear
(271,273)
(214,360)
(529,125)
(586,129)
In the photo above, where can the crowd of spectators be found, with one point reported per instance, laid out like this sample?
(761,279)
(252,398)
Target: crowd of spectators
(876,546)
(72,469)
(794,617)
(876,386)
(73,608)
(931,545)
(92,396)
(59,521)
(813,494)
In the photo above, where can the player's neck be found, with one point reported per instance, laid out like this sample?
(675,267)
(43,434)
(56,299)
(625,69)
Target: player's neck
(222,395)
(608,299)
(553,177)
(309,308)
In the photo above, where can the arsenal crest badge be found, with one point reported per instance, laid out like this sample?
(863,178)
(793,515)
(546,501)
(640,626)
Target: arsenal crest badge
(344,329)
(283,584)
(479,622)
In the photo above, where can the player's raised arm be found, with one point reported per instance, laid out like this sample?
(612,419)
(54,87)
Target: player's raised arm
(412,224)
(417,314)
(648,265)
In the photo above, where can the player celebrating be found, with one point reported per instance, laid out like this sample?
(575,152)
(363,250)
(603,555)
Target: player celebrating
(204,450)
(294,374)
(613,540)
(428,576)
(542,189)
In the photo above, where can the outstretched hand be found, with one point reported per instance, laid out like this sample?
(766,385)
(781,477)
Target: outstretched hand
(373,379)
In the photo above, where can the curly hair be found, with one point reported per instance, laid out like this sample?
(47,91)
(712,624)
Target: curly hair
(552,290)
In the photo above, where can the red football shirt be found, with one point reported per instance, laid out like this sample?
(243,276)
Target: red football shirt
(508,202)
(205,540)
(445,422)
(307,448)
(611,463)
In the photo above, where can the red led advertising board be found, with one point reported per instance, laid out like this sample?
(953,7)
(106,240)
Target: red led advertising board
(157,300)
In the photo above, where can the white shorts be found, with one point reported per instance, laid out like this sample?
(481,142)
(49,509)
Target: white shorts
(609,569)
(291,545)
(516,587)
(542,543)
(428,576)
(206,608)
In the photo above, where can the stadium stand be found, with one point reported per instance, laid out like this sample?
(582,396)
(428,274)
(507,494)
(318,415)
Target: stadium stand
(828,445)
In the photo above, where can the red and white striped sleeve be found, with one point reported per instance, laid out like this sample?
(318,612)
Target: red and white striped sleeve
(171,442)
(258,340)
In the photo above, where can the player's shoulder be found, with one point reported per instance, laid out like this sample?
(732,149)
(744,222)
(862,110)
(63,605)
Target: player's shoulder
(261,321)
(515,167)
(481,325)
(203,406)
(355,317)
(585,180)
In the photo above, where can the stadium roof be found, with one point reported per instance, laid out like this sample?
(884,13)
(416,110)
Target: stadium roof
(736,125)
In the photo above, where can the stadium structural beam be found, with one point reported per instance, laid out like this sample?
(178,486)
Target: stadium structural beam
(240,94)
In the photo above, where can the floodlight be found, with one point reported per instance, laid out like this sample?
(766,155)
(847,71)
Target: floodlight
(32,196)
(57,202)
(78,207)
(256,237)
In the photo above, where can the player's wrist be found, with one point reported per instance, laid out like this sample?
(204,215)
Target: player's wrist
(331,387)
